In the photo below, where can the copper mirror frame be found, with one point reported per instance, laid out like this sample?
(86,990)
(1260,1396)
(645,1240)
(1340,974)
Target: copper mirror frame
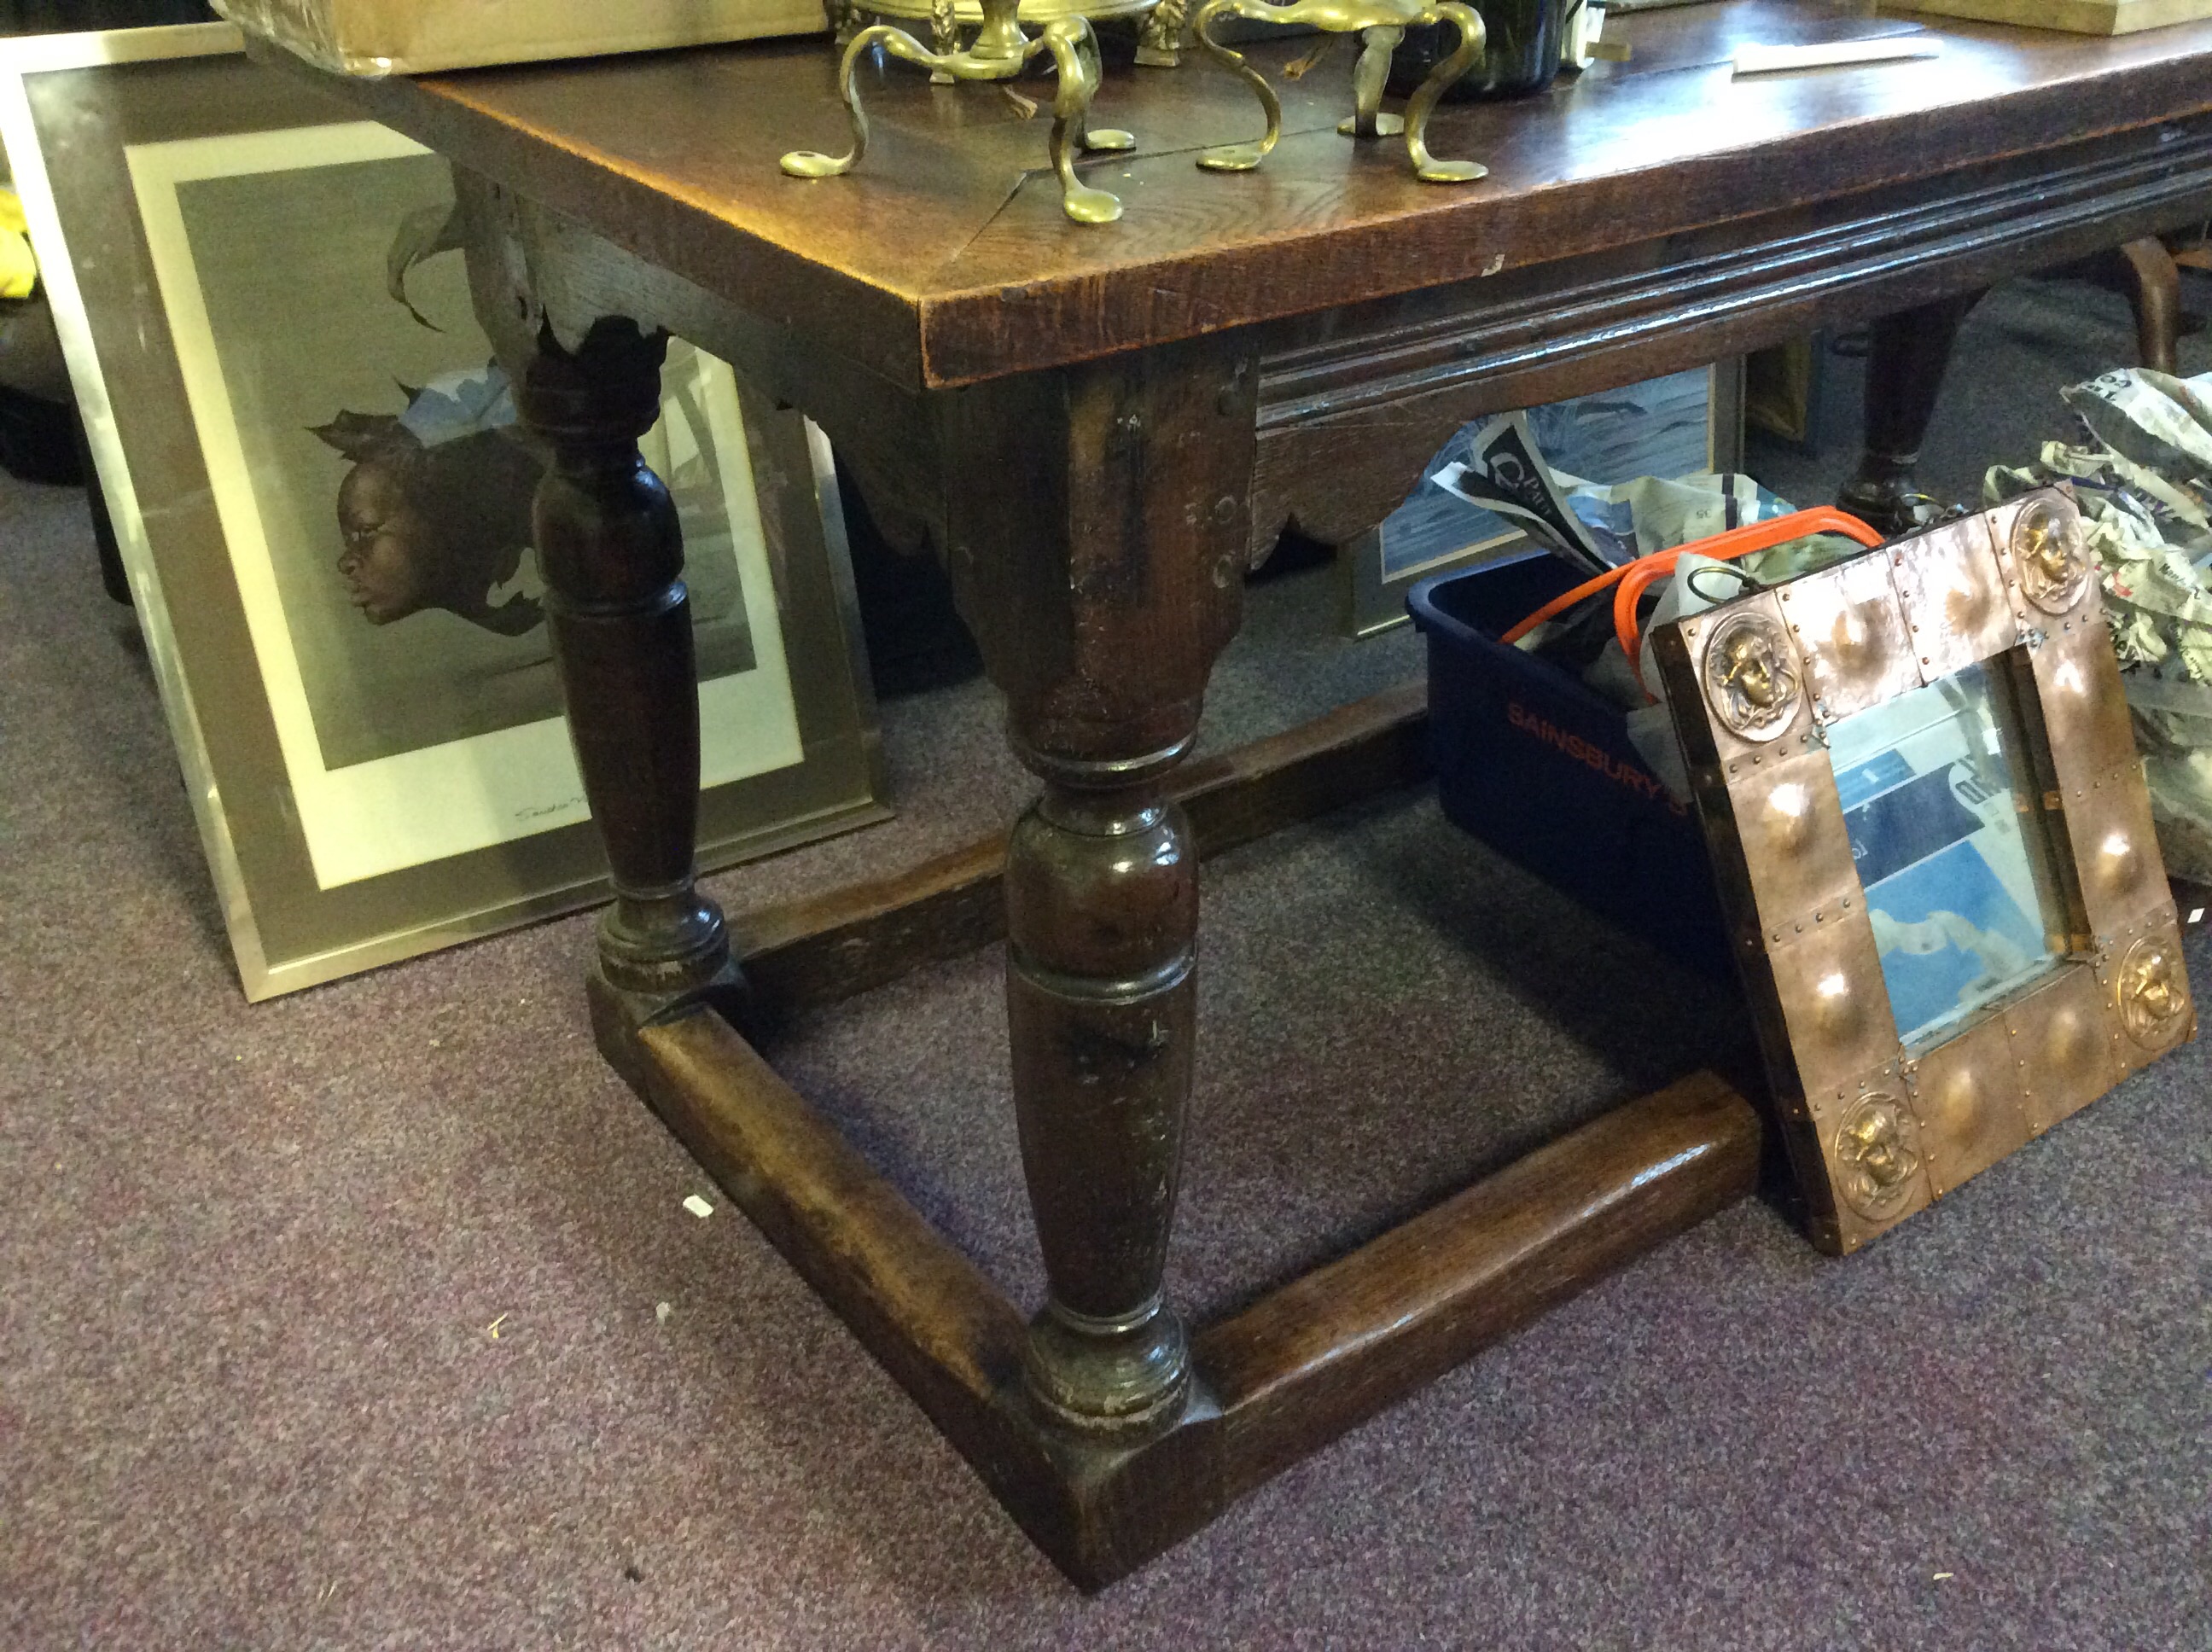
(1878,1128)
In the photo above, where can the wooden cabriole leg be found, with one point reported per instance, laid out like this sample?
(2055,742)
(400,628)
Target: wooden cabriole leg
(2153,288)
(1097,545)
(621,625)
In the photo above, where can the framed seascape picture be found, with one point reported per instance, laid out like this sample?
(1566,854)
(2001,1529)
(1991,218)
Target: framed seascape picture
(323,499)
(1674,426)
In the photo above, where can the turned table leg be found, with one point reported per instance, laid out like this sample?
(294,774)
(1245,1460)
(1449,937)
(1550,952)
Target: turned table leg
(621,624)
(1907,356)
(1102,928)
(1098,555)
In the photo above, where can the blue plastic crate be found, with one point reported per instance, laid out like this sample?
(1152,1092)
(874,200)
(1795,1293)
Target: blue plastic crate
(1541,769)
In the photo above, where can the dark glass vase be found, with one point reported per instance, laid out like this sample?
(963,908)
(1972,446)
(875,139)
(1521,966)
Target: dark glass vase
(1520,55)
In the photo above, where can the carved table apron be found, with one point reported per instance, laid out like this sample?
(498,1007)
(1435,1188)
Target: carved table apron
(1097,427)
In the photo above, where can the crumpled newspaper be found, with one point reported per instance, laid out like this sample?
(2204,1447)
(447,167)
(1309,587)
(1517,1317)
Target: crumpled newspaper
(2144,482)
(1594,527)
(1591,525)
(1634,518)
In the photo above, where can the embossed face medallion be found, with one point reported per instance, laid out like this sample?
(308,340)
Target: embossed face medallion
(1875,1159)
(2149,991)
(1751,681)
(2054,566)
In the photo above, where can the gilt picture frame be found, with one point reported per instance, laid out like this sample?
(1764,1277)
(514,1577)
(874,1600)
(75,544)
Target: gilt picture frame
(1933,841)
(321,497)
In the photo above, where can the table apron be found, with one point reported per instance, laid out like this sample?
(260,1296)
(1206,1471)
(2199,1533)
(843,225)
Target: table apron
(1353,403)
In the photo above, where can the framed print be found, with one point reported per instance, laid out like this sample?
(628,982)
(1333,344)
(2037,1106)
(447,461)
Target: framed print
(323,498)
(1933,842)
(1675,425)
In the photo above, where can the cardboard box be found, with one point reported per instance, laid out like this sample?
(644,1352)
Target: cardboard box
(2075,17)
(412,37)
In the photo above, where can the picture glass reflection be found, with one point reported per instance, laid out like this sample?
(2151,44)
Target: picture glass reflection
(1946,832)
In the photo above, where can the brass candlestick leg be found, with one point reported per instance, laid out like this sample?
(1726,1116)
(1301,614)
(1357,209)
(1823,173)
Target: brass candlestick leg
(1381,23)
(999,53)
(1368,75)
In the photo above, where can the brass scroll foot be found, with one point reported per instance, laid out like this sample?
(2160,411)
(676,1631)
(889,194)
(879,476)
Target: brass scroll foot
(1381,24)
(999,53)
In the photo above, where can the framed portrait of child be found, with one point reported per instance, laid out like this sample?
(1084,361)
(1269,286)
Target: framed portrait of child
(323,496)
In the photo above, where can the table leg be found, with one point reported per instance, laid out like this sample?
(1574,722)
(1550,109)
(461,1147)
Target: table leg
(2151,282)
(621,626)
(1102,921)
(1907,356)
(1099,556)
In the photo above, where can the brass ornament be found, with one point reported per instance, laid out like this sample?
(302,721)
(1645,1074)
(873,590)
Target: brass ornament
(2117,870)
(944,29)
(1159,43)
(2061,1034)
(999,53)
(1751,682)
(1875,1156)
(2069,1052)
(2150,991)
(1952,593)
(2047,548)
(964,15)
(1381,25)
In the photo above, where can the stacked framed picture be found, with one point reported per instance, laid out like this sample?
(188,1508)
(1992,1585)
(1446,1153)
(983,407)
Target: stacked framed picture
(1674,426)
(322,499)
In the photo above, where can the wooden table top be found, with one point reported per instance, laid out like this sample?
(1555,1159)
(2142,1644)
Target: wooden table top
(945,258)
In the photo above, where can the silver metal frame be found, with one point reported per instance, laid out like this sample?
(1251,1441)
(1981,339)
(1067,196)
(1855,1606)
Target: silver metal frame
(262,974)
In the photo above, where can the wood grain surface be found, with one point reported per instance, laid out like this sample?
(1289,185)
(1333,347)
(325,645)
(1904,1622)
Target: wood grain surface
(1348,1340)
(1278,1379)
(945,258)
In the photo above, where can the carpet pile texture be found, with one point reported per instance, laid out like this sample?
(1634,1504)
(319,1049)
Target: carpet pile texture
(373,1317)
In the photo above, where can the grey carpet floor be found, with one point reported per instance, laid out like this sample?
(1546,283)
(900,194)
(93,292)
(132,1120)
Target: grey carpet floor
(252,1258)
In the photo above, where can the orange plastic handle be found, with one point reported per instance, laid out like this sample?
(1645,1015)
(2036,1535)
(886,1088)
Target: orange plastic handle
(1721,547)
(1630,580)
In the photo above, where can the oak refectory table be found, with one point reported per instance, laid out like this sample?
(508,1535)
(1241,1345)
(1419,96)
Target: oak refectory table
(1098,426)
